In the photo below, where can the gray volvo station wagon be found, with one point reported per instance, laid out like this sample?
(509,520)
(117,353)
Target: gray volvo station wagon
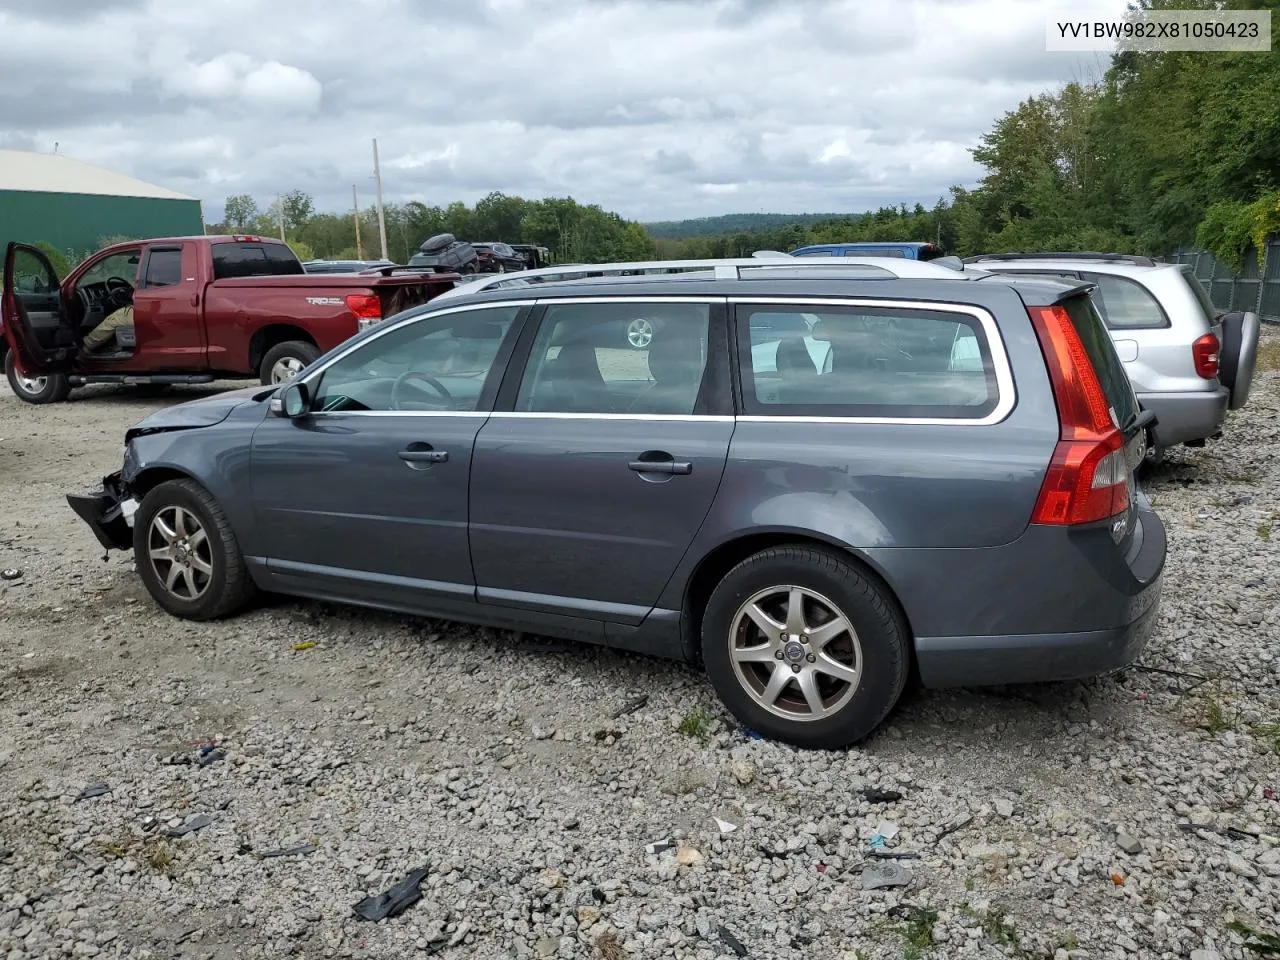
(813,480)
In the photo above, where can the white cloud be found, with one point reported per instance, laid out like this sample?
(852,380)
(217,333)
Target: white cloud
(654,108)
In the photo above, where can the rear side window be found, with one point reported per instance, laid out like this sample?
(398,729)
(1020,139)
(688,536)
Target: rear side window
(164,267)
(863,361)
(891,252)
(231,260)
(1102,352)
(1126,304)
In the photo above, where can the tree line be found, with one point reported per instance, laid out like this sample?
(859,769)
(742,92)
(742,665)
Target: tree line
(574,232)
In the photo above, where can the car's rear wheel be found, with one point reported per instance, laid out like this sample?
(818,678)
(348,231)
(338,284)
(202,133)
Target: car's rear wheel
(285,361)
(53,388)
(187,554)
(803,646)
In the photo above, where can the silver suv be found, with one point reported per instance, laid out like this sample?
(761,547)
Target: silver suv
(1188,363)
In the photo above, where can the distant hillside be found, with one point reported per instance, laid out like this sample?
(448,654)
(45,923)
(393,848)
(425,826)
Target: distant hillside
(738,223)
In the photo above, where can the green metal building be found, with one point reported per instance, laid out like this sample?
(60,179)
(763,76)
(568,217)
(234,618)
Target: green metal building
(76,206)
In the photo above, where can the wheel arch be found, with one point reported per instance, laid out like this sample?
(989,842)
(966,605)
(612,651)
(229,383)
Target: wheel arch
(272,335)
(718,561)
(151,477)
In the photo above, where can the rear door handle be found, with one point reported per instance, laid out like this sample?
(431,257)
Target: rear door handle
(422,453)
(680,467)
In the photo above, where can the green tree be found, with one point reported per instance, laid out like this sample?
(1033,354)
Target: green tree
(241,211)
(297,208)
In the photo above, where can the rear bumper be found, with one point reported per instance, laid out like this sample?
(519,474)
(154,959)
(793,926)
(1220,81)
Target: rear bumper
(109,513)
(1067,613)
(1187,416)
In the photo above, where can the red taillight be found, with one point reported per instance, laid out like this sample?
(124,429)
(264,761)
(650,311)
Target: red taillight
(1088,476)
(1205,351)
(365,306)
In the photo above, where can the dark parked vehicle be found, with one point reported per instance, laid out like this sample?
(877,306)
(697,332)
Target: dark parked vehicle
(813,477)
(497,258)
(534,255)
(445,252)
(343,266)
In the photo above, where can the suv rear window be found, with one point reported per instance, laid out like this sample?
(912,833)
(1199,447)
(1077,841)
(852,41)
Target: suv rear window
(863,361)
(237,259)
(1106,362)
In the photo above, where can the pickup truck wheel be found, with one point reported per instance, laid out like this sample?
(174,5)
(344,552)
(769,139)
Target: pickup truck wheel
(286,360)
(187,554)
(805,647)
(53,388)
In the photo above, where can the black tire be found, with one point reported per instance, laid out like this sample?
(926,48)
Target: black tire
(291,353)
(881,633)
(53,388)
(228,587)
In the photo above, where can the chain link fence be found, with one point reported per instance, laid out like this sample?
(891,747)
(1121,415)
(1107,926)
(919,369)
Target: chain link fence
(1253,289)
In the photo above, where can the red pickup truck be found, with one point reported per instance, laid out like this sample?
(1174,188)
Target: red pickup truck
(204,308)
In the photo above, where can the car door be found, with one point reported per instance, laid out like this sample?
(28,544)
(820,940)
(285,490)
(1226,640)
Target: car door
(35,318)
(166,309)
(601,461)
(364,496)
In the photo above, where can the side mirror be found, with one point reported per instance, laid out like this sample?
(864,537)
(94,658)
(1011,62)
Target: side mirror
(293,401)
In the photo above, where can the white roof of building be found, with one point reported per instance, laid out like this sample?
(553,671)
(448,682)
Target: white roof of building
(55,173)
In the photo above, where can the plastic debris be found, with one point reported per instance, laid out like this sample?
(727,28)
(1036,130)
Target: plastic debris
(729,940)
(1117,879)
(893,854)
(93,790)
(876,795)
(658,846)
(877,876)
(393,901)
(1268,793)
(751,734)
(821,868)
(724,825)
(885,831)
(305,645)
(10,573)
(198,822)
(302,850)
(208,755)
(631,706)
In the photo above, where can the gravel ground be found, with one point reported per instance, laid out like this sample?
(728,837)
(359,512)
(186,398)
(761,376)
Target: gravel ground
(1128,816)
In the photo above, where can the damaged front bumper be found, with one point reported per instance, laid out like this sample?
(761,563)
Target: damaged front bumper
(108,511)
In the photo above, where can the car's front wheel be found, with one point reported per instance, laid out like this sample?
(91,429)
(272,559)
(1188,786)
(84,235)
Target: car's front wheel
(187,554)
(52,388)
(804,647)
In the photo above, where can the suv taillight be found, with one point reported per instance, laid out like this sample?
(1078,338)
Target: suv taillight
(1088,476)
(367,308)
(1206,352)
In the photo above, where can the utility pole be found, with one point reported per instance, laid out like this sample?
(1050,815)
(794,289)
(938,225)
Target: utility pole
(280,211)
(377,179)
(355,206)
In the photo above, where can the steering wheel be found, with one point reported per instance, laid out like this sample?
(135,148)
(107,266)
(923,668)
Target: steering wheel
(117,289)
(426,378)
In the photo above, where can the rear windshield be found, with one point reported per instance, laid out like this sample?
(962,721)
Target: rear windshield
(232,260)
(1098,344)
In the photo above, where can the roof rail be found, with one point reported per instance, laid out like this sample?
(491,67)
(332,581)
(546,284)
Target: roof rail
(1135,259)
(744,268)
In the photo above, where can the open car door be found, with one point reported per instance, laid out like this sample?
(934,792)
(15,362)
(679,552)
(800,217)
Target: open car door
(34,315)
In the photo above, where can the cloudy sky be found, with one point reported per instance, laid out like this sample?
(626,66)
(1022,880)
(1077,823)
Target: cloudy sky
(658,109)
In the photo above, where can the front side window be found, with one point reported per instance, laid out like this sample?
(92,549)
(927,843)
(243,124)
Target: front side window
(621,357)
(439,363)
(1125,303)
(123,266)
(864,362)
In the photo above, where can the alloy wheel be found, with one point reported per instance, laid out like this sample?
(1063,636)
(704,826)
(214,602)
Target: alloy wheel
(180,553)
(286,368)
(32,385)
(795,653)
(640,333)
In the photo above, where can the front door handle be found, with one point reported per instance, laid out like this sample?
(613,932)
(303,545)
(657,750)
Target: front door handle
(656,461)
(420,454)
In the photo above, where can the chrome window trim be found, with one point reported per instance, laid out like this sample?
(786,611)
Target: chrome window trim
(1005,394)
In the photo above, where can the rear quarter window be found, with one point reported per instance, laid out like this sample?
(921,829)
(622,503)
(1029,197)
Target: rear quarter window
(232,260)
(1126,304)
(865,362)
